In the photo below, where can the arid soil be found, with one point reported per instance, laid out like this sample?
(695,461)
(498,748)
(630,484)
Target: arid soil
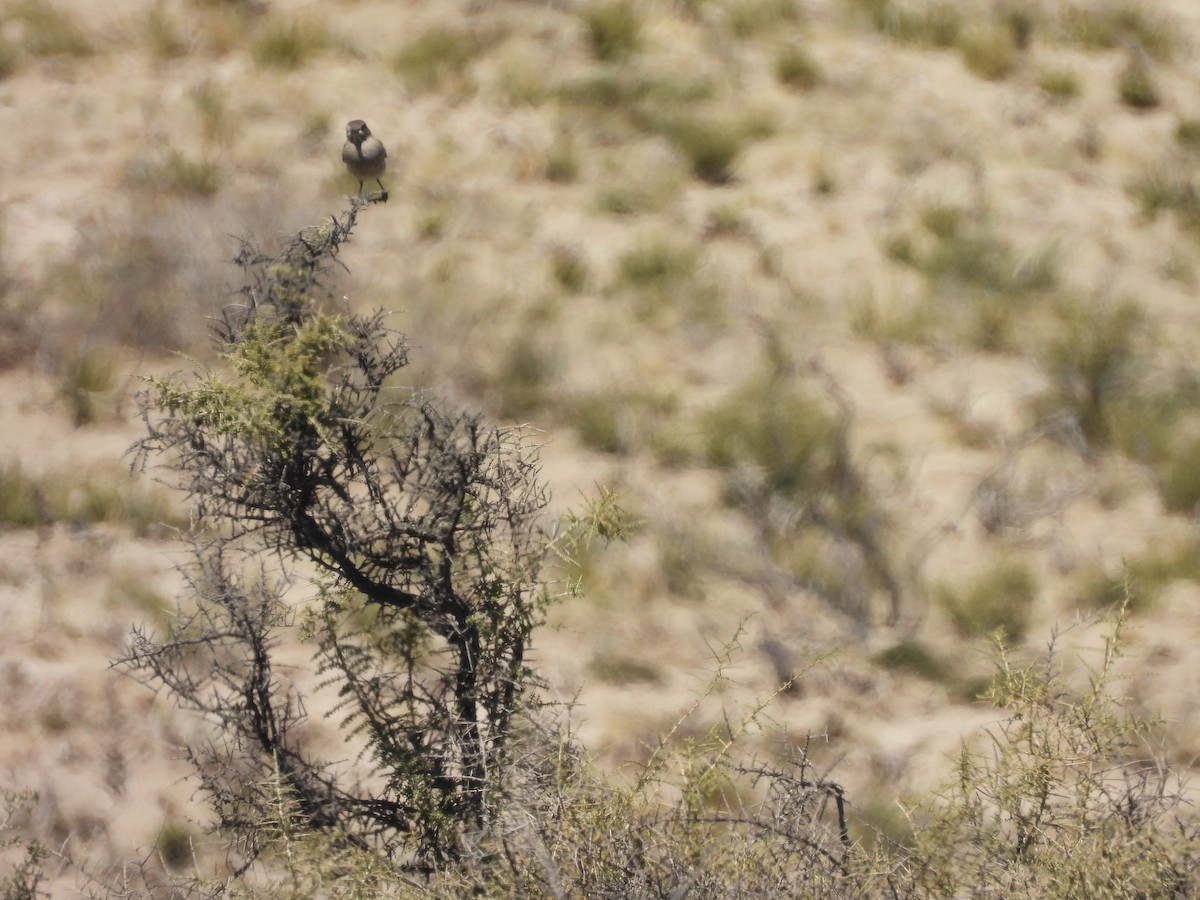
(98,171)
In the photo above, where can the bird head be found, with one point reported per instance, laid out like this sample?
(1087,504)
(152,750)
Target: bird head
(357,131)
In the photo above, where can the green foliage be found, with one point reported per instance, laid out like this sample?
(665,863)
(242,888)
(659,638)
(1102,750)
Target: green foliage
(930,24)
(1093,359)
(915,657)
(82,380)
(780,432)
(23,878)
(710,145)
(82,498)
(1059,84)
(1067,800)
(796,67)
(1187,133)
(48,30)
(1109,24)
(748,18)
(1142,578)
(440,55)
(997,600)
(289,43)
(988,49)
(178,173)
(1179,477)
(424,525)
(614,28)
(620,421)
(615,668)
(174,845)
(1169,189)
(570,269)
(162,33)
(656,262)
(966,249)
(1135,85)
(21,498)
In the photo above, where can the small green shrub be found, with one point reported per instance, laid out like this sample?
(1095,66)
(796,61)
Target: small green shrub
(1109,24)
(748,18)
(1059,84)
(710,146)
(83,378)
(179,174)
(655,262)
(988,49)
(48,31)
(999,599)
(1136,87)
(570,269)
(932,24)
(915,657)
(796,67)
(174,845)
(288,44)
(1068,797)
(439,55)
(162,33)
(1178,476)
(1168,189)
(562,162)
(9,58)
(614,28)
(212,104)
(22,503)
(1187,133)
(615,668)
(1093,361)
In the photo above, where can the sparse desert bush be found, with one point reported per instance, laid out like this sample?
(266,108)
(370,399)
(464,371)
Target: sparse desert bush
(1108,24)
(1178,477)
(47,30)
(9,58)
(562,162)
(438,56)
(998,599)
(988,49)
(177,173)
(656,262)
(929,23)
(83,379)
(570,269)
(796,67)
(748,18)
(162,33)
(1068,799)
(1187,133)
(709,145)
(619,421)
(913,656)
(1136,86)
(80,497)
(1059,84)
(289,43)
(1169,188)
(1093,361)
(613,27)
(1137,584)
(425,523)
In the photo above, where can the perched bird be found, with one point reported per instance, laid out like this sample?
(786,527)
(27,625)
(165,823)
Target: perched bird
(364,155)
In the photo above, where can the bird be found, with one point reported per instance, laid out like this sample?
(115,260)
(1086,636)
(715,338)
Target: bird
(364,155)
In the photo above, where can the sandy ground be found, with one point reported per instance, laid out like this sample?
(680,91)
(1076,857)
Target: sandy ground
(460,253)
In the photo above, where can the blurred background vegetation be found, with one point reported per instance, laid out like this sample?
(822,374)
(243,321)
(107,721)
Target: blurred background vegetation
(879,315)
